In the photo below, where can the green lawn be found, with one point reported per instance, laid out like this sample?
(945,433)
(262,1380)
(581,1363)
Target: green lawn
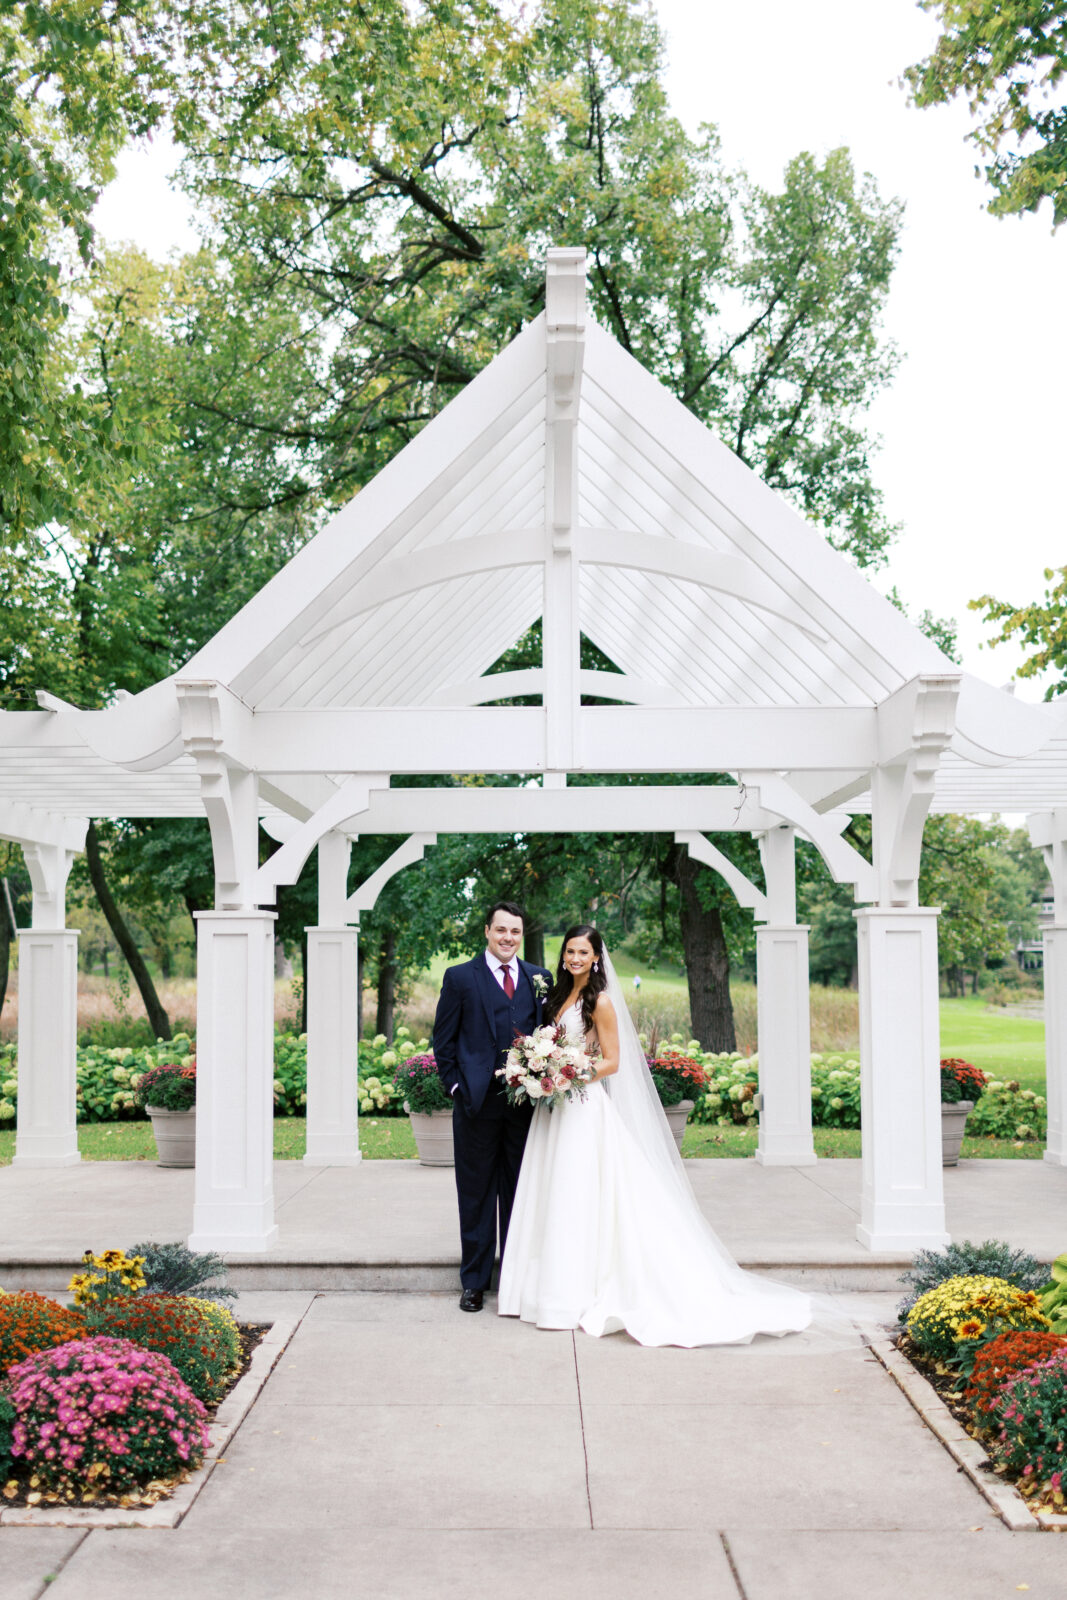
(391,1139)
(1012,1047)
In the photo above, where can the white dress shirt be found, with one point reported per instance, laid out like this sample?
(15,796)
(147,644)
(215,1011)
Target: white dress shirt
(498,968)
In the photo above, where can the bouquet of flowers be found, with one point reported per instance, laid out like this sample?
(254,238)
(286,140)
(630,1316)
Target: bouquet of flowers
(543,1066)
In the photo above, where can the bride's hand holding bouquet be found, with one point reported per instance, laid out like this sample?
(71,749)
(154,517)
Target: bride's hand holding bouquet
(543,1066)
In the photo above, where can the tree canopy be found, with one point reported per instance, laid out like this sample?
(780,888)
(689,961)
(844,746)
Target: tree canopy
(1008,58)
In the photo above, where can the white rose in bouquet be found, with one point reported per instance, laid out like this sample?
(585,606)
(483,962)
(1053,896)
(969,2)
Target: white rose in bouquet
(533,1088)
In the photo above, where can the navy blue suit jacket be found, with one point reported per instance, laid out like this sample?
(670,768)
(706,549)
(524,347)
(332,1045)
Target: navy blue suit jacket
(464,1030)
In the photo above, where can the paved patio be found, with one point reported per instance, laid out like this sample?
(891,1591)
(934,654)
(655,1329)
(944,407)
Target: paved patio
(392,1224)
(401,1450)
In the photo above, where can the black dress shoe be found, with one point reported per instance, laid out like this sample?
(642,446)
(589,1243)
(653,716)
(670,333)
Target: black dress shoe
(470,1300)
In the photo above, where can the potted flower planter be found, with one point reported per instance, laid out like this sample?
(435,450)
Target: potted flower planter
(433,1138)
(953,1119)
(677,1116)
(429,1108)
(175,1133)
(168,1094)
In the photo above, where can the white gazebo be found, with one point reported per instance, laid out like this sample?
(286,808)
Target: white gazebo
(563,483)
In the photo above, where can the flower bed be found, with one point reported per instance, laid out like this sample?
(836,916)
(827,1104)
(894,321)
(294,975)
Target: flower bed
(990,1350)
(121,1417)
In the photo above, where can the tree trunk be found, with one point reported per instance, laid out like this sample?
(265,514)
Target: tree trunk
(104,960)
(157,1017)
(386,985)
(533,943)
(707,962)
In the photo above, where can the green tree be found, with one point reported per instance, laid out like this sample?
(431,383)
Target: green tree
(1008,57)
(1041,626)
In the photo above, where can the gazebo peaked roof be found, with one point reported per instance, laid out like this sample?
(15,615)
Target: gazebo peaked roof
(565,483)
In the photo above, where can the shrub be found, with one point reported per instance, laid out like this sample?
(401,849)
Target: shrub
(1030,1412)
(960,1081)
(169,1087)
(948,1322)
(175,1269)
(176,1327)
(419,1085)
(103,1414)
(835,1091)
(7,1424)
(677,1077)
(1000,1360)
(30,1322)
(729,1090)
(992,1259)
(1054,1295)
(1008,1111)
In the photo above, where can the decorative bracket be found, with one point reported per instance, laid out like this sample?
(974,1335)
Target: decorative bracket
(1048,832)
(846,864)
(287,862)
(405,855)
(702,849)
(228,790)
(49,844)
(915,727)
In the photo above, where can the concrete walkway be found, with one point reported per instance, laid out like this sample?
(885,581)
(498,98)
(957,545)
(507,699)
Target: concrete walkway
(392,1224)
(402,1450)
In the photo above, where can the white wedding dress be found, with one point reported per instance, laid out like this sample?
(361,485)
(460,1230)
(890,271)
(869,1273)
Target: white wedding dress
(605,1235)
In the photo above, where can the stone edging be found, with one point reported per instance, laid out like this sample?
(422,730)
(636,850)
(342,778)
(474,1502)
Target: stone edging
(169,1512)
(969,1455)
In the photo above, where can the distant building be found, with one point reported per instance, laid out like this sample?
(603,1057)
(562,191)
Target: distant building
(1030,953)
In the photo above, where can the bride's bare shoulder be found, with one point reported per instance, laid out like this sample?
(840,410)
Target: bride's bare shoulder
(604,1006)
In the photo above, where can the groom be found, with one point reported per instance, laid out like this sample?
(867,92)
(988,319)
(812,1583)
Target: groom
(483,1004)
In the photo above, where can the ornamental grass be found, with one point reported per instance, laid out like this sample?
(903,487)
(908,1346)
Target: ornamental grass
(1031,1415)
(1002,1359)
(30,1322)
(102,1416)
(181,1329)
(949,1323)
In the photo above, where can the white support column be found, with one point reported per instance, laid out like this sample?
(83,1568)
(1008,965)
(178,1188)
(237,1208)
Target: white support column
(784,1012)
(903,1206)
(1054,940)
(234,1207)
(1048,832)
(332,981)
(784,1020)
(47,1130)
(47,1126)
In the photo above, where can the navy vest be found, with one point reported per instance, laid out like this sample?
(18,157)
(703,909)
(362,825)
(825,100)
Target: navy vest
(517,1015)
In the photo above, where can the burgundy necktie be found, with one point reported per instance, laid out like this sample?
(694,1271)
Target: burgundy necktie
(509,983)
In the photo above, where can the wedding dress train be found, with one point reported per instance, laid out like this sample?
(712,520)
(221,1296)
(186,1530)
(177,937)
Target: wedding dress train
(604,1236)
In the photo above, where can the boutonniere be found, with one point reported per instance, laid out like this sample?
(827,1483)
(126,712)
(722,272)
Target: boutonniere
(540,984)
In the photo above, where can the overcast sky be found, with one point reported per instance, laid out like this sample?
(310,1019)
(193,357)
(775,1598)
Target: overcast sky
(973,425)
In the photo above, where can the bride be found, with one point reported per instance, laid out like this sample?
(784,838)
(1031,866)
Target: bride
(606,1233)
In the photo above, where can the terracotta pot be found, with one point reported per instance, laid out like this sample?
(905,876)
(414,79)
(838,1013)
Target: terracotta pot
(678,1116)
(175,1133)
(953,1118)
(433,1138)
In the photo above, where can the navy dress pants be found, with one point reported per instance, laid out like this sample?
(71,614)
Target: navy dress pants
(488,1146)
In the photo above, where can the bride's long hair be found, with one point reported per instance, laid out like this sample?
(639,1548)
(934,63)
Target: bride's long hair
(595,985)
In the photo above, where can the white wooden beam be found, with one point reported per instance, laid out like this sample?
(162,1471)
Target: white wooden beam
(531,680)
(640,808)
(287,862)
